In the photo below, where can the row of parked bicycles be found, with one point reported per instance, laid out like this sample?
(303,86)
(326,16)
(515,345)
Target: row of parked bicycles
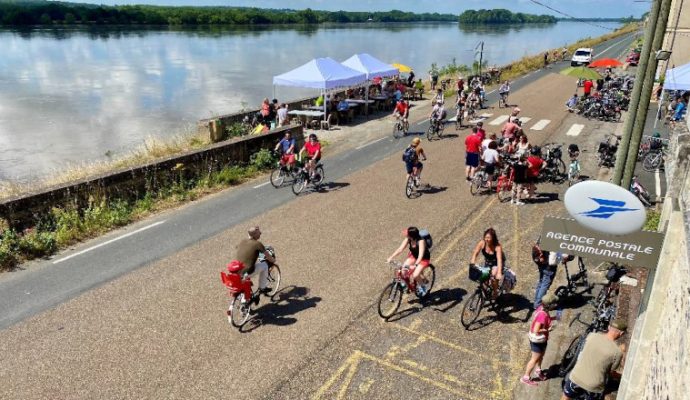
(606,106)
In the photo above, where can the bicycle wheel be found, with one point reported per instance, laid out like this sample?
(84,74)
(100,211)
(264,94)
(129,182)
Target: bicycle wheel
(273,278)
(430,132)
(560,166)
(439,131)
(651,161)
(239,311)
(397,131)
(406,127)
(409,186)
(472,308)
(570,357)
(476,184)
(429,275)
(504,191)
(390,299)
(319,176)
(458,122)
(278,177)
(299,184)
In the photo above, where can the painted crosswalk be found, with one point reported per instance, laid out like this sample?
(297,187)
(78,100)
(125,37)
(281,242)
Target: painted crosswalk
(575,130)
(498,121)
(524,120)
(540,125)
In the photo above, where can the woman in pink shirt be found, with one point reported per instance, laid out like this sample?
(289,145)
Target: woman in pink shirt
(538,338)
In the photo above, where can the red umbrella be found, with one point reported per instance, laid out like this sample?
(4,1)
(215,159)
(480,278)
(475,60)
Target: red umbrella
(605,63)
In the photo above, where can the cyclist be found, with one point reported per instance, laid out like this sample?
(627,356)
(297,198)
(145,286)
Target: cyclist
(418,257)
(460,85)
(460,105)
(248,251)
(473,145)
(504,91)
(412,156)
(490,158)
(473,102)
(480,130)
(313,150)
(287,146)
(402,110)
(438,113)
(494,257)
(439,97)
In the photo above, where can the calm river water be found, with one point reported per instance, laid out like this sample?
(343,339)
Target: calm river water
(70,96)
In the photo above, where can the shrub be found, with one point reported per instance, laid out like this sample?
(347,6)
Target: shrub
(68,225)
(652,222)
(8,247)
(235,129)
(263,159)
(34,243)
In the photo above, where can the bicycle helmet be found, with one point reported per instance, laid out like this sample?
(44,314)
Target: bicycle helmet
(480,124)
(656,135)
(313,136)
(415,141)
(235,266)
(536,150)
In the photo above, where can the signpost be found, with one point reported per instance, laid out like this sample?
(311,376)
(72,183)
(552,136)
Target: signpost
(641,248)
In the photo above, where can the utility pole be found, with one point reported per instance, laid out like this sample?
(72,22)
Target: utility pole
(481,57)
(635,97)
(645,96)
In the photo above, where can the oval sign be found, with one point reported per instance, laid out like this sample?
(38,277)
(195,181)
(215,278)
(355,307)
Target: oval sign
(605,207)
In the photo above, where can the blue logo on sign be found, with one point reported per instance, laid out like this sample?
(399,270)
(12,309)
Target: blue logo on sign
(607,208)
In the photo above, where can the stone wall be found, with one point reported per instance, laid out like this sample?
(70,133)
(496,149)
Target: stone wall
(133,183)
(658,360)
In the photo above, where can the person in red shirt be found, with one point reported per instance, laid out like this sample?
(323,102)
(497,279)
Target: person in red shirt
(509,130)
(480,130)
(473,145)
(534,165)
(313,150)
(588,87)
(402,109)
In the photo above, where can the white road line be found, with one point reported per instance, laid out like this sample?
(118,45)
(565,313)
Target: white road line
(499,120)
(525,120)
(609,48)
(109,241)
(657,179)
(540,125)
(263,184)
(486,115)
(575,130)
(452,119)
(370,143)
(490,92)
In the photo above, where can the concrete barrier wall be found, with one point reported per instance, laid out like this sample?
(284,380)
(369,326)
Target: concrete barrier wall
(658,361)
(134,183)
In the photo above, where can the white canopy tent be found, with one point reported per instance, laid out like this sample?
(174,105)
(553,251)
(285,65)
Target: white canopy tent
(372,67)
(678,78)
(323,74)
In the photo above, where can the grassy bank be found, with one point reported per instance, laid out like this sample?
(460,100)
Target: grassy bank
(66,226)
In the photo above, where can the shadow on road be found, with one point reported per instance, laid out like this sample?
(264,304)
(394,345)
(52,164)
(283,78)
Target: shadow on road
(282,307)
(505,311)
(330,187)
(544,198)
(431,190)
(440,300)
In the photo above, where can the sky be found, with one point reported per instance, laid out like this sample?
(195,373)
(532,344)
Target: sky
(576,8)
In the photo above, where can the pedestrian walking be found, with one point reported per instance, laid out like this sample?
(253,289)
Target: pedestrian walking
(538,339)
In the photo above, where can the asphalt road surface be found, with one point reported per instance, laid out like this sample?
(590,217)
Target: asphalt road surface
(139,313)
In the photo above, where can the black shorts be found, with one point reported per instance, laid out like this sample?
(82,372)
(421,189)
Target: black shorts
(538,347)
(490,168)
(472,160)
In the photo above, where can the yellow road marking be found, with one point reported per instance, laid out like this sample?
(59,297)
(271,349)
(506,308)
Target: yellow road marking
(366,385)
(438,340)
(465,229)
(446,376)
(352,359)
(348,379)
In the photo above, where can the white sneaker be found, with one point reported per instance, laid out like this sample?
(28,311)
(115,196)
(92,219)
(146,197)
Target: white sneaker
(512,201)
(519,203)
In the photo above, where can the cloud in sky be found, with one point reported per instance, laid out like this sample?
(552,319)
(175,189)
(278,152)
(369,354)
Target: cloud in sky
(577,8)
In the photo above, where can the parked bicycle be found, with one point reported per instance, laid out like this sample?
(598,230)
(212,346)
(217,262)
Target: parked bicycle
(606,153)
(579,279)
(401,127)
(599,324)
(640,192)
(653,160)
(610,290)
(505,181)
(391,296)
(480,182)
(303,178)
(435,128)
(240,307)
(483,295)
(554,171)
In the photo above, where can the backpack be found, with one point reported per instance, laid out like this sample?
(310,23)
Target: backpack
(424,234)
(409,154)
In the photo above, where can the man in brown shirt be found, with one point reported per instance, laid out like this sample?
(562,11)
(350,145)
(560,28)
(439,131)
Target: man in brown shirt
(248,251)
(599,358)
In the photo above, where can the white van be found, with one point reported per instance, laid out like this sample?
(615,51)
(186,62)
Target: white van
(582,56)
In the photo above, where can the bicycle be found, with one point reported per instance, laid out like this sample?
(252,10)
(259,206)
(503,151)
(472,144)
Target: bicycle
(479,182)
(240,308)
(573,281)
(653,160)
(391,296)
(281,172)
(503,100)
(401,127)
(412,183)
(611,289)
(599,324)
(303,178)
(435,128)
(459,118)
(504,183)
(482,294)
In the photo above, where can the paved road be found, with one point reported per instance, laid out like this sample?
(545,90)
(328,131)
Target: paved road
(160,331)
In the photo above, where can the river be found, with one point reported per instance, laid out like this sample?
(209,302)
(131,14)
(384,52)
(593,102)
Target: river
(72,96)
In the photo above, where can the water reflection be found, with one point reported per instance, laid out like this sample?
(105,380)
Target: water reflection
(68,95)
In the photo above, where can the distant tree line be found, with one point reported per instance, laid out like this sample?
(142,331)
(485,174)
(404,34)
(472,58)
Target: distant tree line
(503,16)
(40,12)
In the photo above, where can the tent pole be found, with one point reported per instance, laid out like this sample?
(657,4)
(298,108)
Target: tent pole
(324,105)
(366,100)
